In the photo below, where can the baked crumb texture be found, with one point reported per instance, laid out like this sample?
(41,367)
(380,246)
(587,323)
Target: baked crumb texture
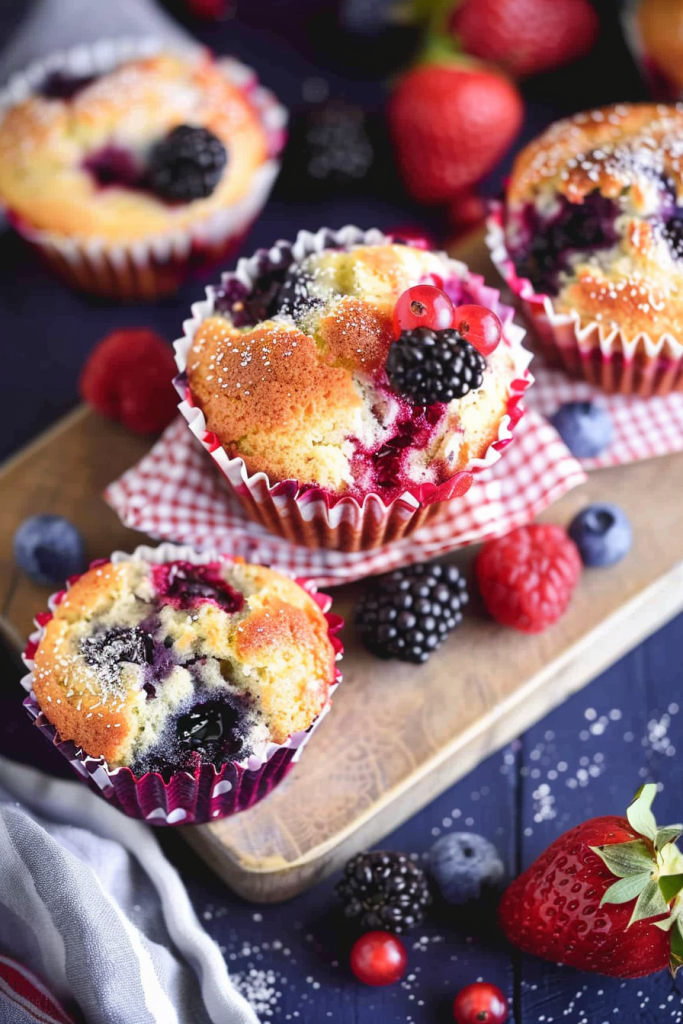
(594,218)
(133,648)
(297,388)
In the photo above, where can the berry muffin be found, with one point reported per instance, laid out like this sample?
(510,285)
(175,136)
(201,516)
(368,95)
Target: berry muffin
(655,30)
(352,373)
(127,168)
(592,241)
(207,671)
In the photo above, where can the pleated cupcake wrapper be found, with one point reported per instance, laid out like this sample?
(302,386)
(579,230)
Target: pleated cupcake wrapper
(660,86)
(156,265)
(602,355)
(309,515)
(209,793)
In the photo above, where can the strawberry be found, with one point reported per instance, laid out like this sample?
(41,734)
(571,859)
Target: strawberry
(451,121)
(604,897)
(526,36)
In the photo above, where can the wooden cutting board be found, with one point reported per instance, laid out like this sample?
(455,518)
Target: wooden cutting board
(398,735)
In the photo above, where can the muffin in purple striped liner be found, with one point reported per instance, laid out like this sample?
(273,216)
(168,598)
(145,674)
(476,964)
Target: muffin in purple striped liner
(182,687)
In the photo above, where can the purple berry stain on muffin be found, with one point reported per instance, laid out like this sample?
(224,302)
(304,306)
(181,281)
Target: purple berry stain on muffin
(60,85)
(114,165)
(547,244)
(186,586)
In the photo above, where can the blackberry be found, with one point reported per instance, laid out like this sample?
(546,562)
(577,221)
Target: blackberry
(409,613)
(385,891)
(332,148)
(428,366)
(187,164)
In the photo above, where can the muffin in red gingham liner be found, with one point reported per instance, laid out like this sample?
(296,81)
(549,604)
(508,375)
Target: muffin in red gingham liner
(182,687)
(590,240)
(284,375)
(127,164)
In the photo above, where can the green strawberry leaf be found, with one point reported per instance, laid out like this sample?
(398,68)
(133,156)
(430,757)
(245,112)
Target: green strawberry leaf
(626,889)
(624,859)
(676,950)
(667,834)
(649,904)
(670,886)
(640,816)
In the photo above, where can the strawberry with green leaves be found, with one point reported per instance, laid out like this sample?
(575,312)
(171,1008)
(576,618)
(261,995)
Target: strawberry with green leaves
(605,897)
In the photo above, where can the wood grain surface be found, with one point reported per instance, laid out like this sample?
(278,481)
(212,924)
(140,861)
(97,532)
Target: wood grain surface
(398,735)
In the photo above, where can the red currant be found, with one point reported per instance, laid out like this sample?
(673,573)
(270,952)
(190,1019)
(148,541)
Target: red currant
(480,326)
(480,1003)
(423,306)
(378,958)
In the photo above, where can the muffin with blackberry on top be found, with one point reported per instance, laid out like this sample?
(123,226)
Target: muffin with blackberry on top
(351,367)
(126,167)
(202,670)
(593,233)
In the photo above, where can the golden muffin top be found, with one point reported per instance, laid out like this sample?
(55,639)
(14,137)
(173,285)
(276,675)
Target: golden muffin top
(156,666)
(290,373)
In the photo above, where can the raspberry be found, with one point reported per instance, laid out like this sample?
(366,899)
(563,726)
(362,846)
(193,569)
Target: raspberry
(527,578)
(128,377)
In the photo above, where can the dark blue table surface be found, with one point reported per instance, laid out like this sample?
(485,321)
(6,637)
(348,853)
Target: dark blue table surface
(586,758)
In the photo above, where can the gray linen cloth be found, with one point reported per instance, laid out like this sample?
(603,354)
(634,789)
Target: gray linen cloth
(90,904)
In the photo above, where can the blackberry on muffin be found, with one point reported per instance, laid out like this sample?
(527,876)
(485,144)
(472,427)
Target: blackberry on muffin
(166,667)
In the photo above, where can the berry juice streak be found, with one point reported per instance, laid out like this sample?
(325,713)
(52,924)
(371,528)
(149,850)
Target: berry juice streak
(185,586)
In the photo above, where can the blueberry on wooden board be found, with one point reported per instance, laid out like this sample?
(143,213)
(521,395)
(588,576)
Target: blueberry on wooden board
(49,549)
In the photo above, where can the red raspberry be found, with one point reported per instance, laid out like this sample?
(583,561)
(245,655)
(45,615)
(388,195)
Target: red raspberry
(128,377)
(527,578)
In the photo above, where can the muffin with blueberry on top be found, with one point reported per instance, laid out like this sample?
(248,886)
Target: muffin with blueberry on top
(191,672)
(593,243)
(355,372)
(128,170)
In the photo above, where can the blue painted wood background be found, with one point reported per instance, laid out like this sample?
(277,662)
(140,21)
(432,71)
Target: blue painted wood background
(586,758)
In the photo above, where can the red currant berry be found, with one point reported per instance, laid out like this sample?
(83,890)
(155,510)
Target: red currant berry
(479,326)
(423,306)
(480,1003)
(378,958)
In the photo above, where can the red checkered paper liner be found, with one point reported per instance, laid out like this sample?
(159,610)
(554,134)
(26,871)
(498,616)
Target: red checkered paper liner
(643,427)
(175,493)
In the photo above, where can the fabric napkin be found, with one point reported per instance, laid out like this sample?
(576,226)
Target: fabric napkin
(91,905)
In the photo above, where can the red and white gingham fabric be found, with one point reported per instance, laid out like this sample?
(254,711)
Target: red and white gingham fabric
(174,492)
(19,988)
(643,427)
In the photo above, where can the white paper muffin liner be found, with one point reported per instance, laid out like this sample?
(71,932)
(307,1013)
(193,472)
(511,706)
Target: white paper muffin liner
(602,355)
(157,265)
(309,515)
(209,793)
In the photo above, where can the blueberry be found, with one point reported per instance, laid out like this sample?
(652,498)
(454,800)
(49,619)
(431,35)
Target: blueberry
(464,865)
(49,549)
(602,534)
(214,730)
(585,428)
